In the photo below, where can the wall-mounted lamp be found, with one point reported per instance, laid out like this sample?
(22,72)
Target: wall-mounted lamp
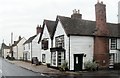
(84,55)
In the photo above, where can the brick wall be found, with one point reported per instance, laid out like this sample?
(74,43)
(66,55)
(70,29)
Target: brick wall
(101,42)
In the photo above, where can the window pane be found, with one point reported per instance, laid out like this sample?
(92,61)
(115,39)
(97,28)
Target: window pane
(43,58)
(59,41)
(113,43)
(61,58)
(54,58)
(44,44)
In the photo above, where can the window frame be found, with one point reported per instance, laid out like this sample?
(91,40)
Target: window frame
(113,44)
(60,41)
(43,58)
(45,43)
(54,58)
(61,57)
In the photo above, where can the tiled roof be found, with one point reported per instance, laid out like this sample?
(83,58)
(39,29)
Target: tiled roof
(50,26)
(84,27)
(16,42)
(114,29)
(30,39)
(4,46)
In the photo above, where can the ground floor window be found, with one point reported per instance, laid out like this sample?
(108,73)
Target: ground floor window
(54,58)
(43,58)
(57,56)
(28,55)
(61,58)
(113,58)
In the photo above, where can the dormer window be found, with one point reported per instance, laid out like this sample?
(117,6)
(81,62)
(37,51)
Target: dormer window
(44,44)
(59,41)
(113,43)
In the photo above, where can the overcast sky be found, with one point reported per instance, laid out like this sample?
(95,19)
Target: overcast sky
(22,16)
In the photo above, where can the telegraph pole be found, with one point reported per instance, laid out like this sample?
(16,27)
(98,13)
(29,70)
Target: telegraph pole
(11,48)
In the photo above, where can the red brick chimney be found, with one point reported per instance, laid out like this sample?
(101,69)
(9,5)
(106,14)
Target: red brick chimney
(101,43)
(38,29)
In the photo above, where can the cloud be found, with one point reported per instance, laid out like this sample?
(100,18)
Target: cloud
(22,16)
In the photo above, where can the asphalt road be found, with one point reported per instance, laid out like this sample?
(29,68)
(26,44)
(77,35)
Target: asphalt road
(8,70)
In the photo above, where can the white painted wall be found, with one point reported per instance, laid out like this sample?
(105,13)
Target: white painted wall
(20,48)
(81,45)
(15,52)
(46,52)
(6,52)
(60,31)
(78,45)
(28,50)
(36,50)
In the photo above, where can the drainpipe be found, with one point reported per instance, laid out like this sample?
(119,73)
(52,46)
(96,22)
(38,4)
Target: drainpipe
(17,52)
(31,51)
(69,52)
(51,52)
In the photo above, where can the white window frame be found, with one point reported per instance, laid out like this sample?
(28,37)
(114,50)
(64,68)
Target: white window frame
(113,45)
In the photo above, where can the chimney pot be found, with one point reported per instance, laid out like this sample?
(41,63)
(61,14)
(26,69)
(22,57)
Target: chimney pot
(38,29)
(19,37)
(76,14)
(101,2)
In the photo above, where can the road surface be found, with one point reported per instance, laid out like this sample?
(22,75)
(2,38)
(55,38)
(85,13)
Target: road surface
(8,70)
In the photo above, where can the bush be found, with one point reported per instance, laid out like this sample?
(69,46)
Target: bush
(90,66)
(117,66)
(64,66)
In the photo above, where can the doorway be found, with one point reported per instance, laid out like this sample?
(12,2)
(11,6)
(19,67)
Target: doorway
(78,62)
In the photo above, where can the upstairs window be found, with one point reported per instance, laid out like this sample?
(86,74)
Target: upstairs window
(113,43)
(59,41)
(44,44)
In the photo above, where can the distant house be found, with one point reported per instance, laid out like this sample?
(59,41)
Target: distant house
(31,46)
(114,43)
(114,47)
(5,50)
(46,40)
(18,48)
(77,41)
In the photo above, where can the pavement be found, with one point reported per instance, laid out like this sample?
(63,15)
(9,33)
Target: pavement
(43,69)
